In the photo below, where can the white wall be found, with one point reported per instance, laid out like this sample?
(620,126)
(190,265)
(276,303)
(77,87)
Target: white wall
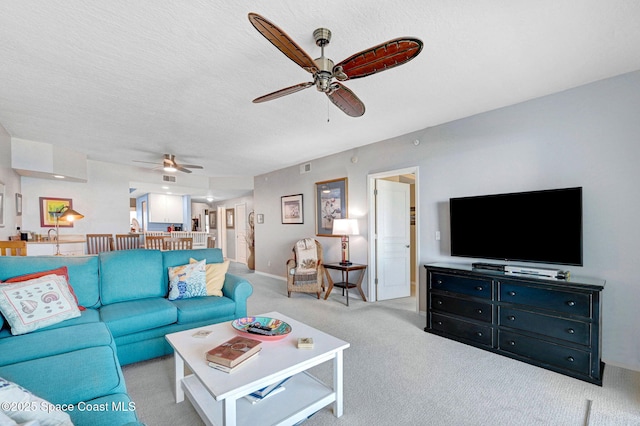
(586,137)
(103,200)
(231,233)
(11,181)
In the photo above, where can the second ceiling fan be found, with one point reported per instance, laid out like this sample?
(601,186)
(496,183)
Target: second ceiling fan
(370,61)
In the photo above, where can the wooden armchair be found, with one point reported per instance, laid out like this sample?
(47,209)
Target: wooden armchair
(97,243)
(178,243)
(155,242)
(13,248)
(127,242)
(307,276)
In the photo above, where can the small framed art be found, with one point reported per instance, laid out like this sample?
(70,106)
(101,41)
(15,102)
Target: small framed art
(231,218)
(291,209)
(49,207)
(331,203)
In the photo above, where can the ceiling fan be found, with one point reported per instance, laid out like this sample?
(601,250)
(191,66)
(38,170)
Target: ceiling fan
(370,61)
(169,164)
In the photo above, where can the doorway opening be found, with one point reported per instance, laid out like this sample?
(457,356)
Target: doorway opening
(393,230)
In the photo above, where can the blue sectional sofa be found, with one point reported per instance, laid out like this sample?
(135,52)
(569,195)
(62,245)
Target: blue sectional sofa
(77,362)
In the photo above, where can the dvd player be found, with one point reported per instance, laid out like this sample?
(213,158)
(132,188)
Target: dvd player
(488,266)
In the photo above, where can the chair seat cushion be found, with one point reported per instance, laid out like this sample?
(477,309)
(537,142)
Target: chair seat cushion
(137,315)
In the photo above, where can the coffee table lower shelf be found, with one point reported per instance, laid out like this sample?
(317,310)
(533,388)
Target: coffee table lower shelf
(303,396)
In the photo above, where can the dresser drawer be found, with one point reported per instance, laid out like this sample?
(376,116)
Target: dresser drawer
(467,330)
(470,286)
(466,308)
(559,328)
(545,352)
(572,303)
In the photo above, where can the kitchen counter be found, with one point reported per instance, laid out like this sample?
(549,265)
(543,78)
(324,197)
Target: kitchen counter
(68,247)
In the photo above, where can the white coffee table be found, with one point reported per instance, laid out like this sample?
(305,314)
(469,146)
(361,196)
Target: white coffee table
(218,396)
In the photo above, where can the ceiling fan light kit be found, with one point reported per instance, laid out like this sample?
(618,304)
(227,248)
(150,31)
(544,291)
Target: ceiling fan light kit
(370,61)
(170,165)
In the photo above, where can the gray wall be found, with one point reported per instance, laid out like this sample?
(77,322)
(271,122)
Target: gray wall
(587,136)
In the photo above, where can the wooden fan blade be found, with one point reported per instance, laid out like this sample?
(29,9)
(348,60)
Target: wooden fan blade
(191,166)
(283,42)
(282,92)
(346,100)
(182,169)
(378,58)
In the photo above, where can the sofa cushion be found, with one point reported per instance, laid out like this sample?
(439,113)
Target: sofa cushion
(186,281)
(37,303)
(82,270)
(13,395)
(203,308)
(130,275)
(138,315)
(70,377)
(215,274)
(46,342)
(86,316)
(62,271)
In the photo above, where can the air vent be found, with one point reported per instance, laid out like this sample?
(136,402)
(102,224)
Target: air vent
(168,178)
(305,168)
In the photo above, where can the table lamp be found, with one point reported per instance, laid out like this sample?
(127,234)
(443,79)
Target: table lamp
(68,214)
(345,227)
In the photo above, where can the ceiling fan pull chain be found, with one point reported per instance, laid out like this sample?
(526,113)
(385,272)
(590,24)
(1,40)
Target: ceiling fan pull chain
(328,110)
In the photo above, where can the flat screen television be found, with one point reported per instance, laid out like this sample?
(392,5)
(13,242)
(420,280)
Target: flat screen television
(536,226)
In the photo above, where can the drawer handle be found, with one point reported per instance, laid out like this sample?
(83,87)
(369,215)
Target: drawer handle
(511,318)
(570,359)
(439,322)
(479,334)
(479,311)
(512,293)
(512,343)
(479,288)
(571,303)
(571,331)
(439,281)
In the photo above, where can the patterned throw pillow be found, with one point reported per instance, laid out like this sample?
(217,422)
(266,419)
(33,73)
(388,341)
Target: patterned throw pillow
(40,412)
(34,304)
(215,276)
(59,271)
(187,281)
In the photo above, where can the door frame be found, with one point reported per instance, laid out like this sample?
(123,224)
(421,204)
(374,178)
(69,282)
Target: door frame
(372,256)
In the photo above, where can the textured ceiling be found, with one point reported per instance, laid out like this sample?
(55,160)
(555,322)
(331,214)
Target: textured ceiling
(131,80)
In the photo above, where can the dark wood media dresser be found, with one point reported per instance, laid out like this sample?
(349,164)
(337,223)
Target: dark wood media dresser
(551,323)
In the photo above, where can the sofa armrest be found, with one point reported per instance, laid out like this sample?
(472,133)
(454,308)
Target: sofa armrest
(238,289)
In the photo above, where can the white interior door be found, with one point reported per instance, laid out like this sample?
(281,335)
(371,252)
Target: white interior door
(241,233)
(393,202)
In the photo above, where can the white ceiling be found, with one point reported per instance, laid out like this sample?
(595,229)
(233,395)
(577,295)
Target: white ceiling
(130,80)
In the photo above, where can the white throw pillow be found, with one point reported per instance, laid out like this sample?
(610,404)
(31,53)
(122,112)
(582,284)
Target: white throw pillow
(23,407)
(33,304)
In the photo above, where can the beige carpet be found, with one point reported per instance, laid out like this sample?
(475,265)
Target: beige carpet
(396,374)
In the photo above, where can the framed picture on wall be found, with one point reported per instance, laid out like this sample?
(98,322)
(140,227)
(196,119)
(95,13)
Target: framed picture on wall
(291,209)
(18,204)
(213,223)
(50,208)
(231,214)
(331,203)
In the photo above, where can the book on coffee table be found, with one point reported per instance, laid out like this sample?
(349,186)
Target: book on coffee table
(233,351)
(235,367)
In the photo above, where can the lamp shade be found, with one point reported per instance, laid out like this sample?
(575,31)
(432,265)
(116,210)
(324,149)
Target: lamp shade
(70,215)
(345,227)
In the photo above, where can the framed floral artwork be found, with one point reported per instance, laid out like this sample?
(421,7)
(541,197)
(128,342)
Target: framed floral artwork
(331,203)
(291,209)
(231,218)
(50,207)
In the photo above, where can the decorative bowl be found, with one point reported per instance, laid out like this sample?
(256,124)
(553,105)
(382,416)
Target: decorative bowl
(262,328)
